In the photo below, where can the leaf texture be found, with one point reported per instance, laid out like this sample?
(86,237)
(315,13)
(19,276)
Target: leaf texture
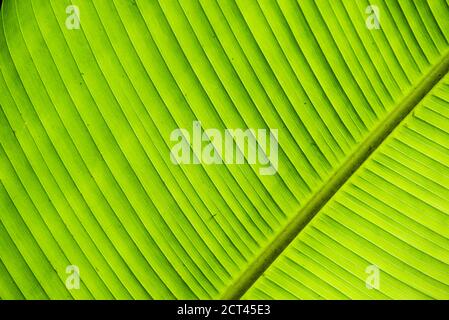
(393,214)
(86,177)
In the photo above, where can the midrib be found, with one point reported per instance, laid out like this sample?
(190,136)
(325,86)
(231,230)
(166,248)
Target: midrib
(297,223)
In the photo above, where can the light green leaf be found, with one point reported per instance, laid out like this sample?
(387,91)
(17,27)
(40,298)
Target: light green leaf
(87,181)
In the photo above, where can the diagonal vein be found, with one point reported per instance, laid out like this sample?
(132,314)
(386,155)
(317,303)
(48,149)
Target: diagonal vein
(286,235)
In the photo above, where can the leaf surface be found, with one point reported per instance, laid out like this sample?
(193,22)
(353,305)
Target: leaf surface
(86,177)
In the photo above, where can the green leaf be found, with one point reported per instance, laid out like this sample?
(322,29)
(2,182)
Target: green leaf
(391,215)
(87,182)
